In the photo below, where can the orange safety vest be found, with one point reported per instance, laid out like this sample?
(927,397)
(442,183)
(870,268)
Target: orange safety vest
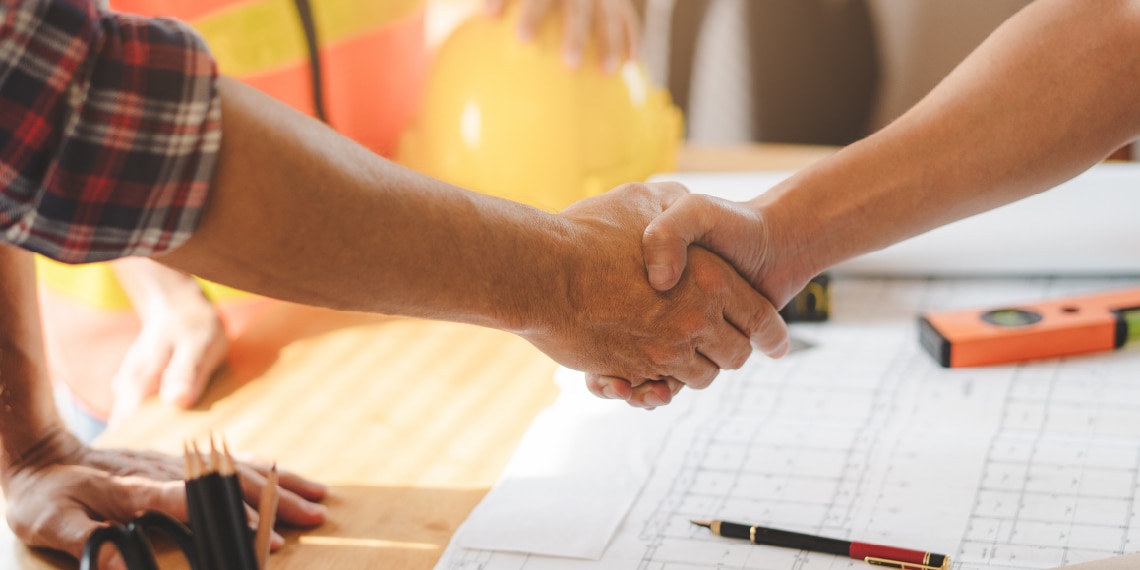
(366,81)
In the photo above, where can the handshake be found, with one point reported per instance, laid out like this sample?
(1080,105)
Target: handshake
(715,284)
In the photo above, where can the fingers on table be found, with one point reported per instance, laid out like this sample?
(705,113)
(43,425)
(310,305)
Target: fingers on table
(306,488)
(292,507)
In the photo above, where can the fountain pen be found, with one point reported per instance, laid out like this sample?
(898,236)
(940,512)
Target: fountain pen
(874,554)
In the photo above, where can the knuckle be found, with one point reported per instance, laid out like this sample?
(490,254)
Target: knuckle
(636,189)
(676,189)
(660,358)
(659,353)
(704,379)
(684,326)
(737,359)
(707,276)
(759,322)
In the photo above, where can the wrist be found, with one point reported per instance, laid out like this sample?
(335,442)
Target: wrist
(29,416)
(580,261)
(533,297)
(155,289)
(839,208)
(790,257)
(35,448)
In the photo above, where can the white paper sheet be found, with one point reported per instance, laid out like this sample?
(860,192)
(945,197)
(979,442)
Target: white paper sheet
(1087,226)
(865,437)
(583,459)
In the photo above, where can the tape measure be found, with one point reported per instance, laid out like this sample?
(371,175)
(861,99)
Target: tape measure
(812,304)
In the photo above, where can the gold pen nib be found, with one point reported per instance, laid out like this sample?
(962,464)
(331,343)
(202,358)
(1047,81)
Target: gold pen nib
(705,524)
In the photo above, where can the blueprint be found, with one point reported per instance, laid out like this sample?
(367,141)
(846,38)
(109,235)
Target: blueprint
(863,437)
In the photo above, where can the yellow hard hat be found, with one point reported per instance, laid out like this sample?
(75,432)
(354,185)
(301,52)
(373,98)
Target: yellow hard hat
(509,118)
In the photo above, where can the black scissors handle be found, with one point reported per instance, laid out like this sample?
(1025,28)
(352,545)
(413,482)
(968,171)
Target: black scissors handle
(134,544)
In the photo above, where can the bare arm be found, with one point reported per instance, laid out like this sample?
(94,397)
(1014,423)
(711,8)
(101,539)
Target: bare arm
(300,213)
(293,202)
(1051,92)
(27,410)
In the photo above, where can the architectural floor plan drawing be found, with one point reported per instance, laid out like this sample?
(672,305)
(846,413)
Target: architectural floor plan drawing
(863,437)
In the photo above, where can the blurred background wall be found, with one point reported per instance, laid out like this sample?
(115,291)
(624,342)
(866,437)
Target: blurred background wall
(807,71)
(796,71)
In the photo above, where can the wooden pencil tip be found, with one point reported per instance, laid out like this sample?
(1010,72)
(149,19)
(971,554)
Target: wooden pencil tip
(271,478)
(215,456)
(199,461)
(267,512)
(227,466)
(187,466)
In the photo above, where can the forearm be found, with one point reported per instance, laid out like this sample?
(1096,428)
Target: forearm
(299,213)
(27,410)
(1051,92)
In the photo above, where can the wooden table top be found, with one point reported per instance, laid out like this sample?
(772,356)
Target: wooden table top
(409,422)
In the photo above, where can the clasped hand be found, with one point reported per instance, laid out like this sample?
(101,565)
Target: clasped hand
(637,343)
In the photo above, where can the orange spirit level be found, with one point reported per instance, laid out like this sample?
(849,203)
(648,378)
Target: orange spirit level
(1062,327)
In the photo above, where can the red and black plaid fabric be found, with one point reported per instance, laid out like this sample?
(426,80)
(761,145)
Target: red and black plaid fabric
(110,126)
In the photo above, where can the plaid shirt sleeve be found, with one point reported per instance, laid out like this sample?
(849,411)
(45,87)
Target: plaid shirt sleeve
(110,127)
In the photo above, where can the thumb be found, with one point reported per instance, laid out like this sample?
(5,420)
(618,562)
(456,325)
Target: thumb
(69,531)
(666,240)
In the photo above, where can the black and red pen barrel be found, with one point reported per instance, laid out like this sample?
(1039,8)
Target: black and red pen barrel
(784,538)
(894,557)
(875,554)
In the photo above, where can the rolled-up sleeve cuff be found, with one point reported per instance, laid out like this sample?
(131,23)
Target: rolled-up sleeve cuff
(119,138)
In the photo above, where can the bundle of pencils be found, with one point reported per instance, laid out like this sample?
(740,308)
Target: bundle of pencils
(223,539)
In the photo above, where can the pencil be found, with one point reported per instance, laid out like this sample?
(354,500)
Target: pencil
(267,514)
(240,548)
(200,504)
